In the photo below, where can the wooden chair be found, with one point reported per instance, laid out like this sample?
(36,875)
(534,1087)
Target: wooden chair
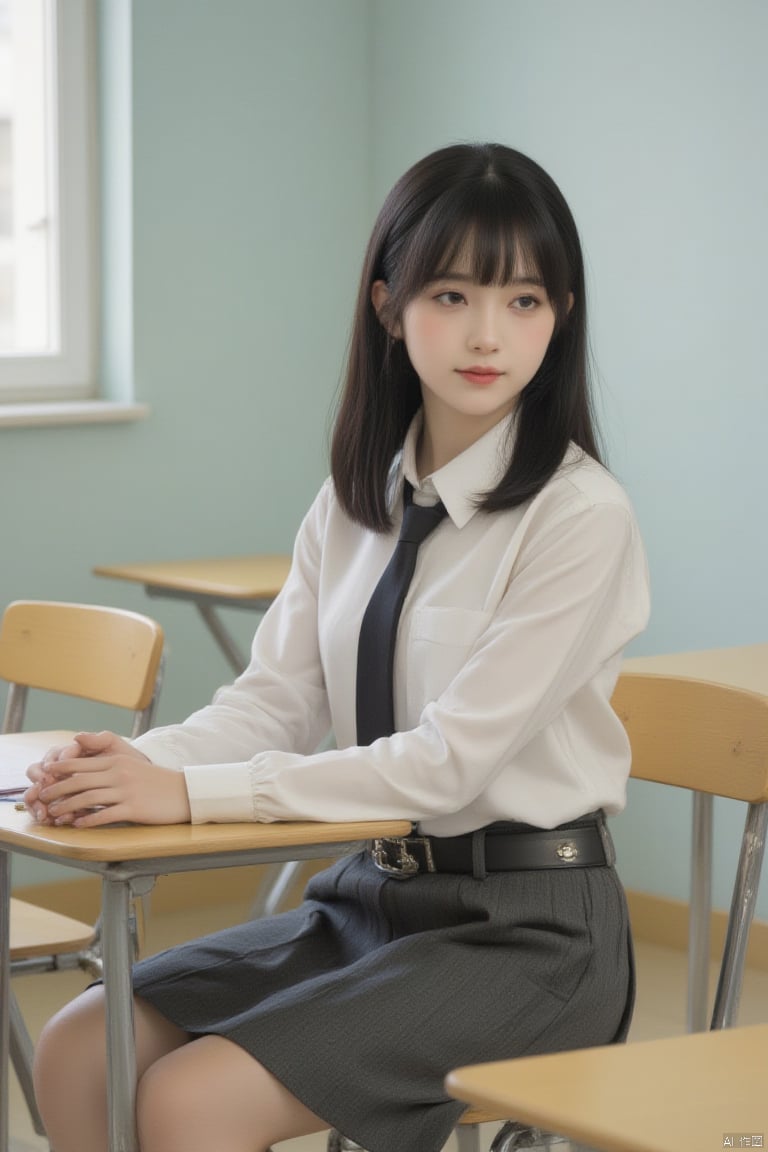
(713,741)
(105,655)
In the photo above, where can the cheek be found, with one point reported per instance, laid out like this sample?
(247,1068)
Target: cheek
(423,330)
(539,338)
(424,335)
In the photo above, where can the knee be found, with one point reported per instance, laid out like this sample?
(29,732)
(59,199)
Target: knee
(163,1106)
(197,1098)
(79,1027)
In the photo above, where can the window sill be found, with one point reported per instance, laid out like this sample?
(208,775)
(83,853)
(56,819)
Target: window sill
(70,412)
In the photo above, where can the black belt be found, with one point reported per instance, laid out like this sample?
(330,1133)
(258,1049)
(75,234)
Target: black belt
(500,847)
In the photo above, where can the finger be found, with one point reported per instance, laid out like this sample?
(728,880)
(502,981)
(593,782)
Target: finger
(90,798)
(71,788)
(62,752)
(92,743)
(36,782)
(66,769)
(32,802)
(69,819)
(62,821)
(98,817)
(39,779)
(38,810)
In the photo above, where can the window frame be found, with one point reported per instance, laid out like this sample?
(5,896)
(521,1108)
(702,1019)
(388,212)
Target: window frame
(69,374)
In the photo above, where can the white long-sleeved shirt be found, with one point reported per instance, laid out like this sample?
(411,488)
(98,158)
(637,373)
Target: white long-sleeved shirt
(508,649)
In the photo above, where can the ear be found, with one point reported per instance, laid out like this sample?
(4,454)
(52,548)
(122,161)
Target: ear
(380,299)
(561,321)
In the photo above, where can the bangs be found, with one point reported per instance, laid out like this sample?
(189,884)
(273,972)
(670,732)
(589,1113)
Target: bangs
(472,229)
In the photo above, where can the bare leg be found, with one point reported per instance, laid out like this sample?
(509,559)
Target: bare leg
(70,1068)
(212,1094)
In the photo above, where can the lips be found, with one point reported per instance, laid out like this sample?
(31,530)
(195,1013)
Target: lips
(479,375)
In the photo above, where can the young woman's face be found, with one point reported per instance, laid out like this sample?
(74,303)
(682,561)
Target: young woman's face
(474,346)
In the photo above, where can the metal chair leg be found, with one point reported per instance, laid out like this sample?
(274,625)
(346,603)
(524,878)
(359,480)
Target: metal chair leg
(743,901)
(468,1138)
(274,887)
(513,1135)
(339,1143)
(699,912)
(21,1050)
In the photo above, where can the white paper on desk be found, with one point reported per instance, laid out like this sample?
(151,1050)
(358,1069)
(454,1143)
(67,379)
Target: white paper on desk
(16,755)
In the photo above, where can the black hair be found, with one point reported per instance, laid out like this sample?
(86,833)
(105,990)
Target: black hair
(498,209)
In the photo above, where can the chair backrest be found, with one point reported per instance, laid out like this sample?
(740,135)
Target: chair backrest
(98,653)
(690,733)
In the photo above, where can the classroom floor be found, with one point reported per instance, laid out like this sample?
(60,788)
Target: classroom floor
(660,1007)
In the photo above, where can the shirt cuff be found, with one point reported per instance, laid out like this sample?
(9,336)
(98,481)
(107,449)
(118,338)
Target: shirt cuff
(159,750)
(220,793)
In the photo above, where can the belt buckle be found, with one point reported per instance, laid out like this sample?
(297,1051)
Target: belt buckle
(404,865)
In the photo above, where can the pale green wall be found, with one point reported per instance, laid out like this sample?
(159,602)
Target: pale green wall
(266,133)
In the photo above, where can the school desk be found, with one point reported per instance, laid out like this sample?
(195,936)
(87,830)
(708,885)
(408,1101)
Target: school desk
(128,858)
(684,1094)
(224,582)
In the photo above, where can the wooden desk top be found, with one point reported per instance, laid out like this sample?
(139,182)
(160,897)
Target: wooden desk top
(226,577)
(744,667)
(682,1094)
(146,842)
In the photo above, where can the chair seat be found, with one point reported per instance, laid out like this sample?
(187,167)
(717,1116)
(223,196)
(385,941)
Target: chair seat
(40,932)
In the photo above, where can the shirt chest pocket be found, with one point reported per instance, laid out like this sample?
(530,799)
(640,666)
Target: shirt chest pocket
(440,641)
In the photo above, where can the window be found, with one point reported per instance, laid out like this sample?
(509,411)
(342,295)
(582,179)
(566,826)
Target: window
(48,206)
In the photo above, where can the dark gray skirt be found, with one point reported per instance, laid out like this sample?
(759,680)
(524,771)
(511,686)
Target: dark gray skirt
(362,999)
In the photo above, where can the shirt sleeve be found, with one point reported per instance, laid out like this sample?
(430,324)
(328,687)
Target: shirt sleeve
(578,594)
(278,703)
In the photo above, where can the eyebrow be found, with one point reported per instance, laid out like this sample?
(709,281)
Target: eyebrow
(464,278)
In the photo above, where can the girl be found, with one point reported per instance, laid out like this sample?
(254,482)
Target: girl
(500,928)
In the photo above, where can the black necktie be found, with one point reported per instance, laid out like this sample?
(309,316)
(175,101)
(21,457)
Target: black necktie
(376,646)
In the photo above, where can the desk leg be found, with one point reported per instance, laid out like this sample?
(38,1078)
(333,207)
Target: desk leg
(5,993)
(121,1046)
(235,658)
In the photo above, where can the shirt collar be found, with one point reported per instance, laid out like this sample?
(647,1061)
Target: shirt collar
(468,476)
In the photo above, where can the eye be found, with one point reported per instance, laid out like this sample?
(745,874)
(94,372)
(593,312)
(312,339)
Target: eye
(526,303)
(448,298)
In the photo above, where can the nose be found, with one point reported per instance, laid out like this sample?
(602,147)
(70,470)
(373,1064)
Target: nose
(483,332)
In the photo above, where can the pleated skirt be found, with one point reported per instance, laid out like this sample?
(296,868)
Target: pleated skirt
(363,998)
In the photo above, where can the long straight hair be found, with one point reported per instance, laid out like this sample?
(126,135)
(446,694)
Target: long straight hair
(499,210)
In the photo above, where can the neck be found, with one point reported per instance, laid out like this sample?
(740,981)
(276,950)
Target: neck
(446,434)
